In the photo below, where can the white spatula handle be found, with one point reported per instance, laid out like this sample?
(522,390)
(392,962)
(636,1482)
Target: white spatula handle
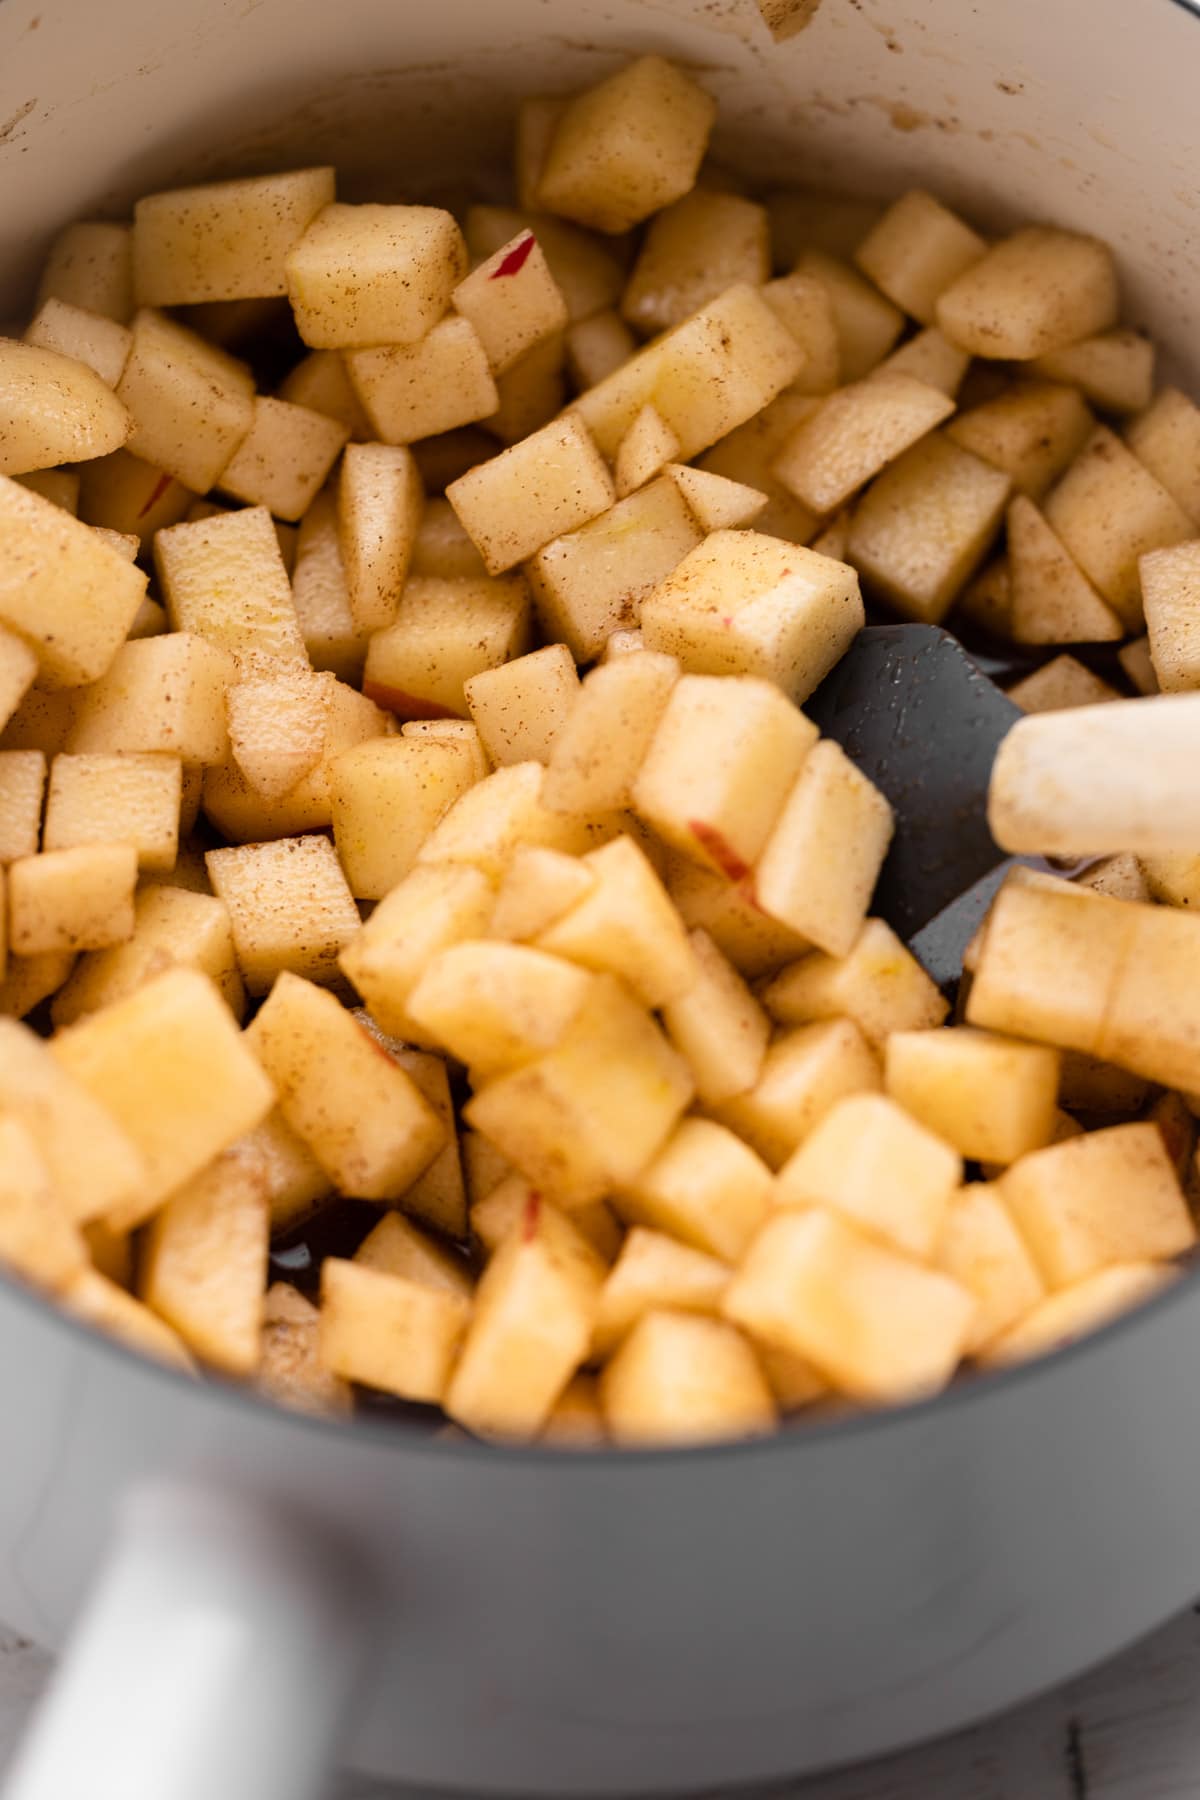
(1124,776)
(213,1661)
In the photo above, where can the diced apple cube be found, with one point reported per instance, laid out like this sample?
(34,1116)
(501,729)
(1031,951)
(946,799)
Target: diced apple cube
(626,925)
(122,493)
(290,1370)
(88,337)
(520,708)
(802,303)
(332,639)
(692,251)
(284,458)
(61,588)
(389,1332)
(93,1166)
(753,942)
(278,724)
(590,582)
(223,578)
(929,357)
(576,1421)
(1060,684)
(204,1264)
(379,503)
(537,119)
(91,264)
(434,906)
(171,926)
(1049,964)
(626,147)
(417,390)
(1074,1311)
(602,743)
(22,783)
(867,325)
(1170,585)
(1152,1027)
(538,887)
(552,482)
(444,633)
(1109,511)
(981,1248)
(360,1114)
(1053,602)
(1035,291)
(39,1241)
(54,409)
(923,526)
(644,452)
(705,1187)
(18,667)
(442,547)
(386,797)
(805,1073)
(102,1304)
(854,434)
(532,394)
(535,1310)
(705,378)
(878,983)
(882,1328)
(162,695)
(493,1217)
(397,1247)
(590,1114)
(869,1160)
(597,346)
(497,1006)
(191,404)
(103,799)
(1115,370)
(78,899)
(1032,431)
(717,1026)
(818,868)
(792,1379)
(28,980)
(714,501)
(1166,439)
(512,300)
(321,382)
(1107,1197)
(226,240)
(993,1097)
(244,815)
(916,250)
(438,1195)
(719,768)
(289,908)
(743,603)
(685,1380)
(363,275)
(654,1272)
(171,1066)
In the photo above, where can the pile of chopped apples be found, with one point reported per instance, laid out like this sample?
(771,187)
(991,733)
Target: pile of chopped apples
(405,795)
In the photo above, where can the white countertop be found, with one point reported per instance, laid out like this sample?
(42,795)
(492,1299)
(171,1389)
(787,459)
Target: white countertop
(1129,1731)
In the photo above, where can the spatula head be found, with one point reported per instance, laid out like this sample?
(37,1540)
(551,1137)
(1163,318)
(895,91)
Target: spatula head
(917,716)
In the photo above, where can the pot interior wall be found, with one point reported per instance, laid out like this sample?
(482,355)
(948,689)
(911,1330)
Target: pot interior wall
(1015,111)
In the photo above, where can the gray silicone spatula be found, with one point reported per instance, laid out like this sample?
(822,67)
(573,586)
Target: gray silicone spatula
(972,779)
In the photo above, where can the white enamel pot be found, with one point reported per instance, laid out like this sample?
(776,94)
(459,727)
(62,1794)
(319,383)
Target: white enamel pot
(246,1593)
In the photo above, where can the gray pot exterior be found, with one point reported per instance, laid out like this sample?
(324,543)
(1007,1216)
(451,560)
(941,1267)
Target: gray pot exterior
(604,1623)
